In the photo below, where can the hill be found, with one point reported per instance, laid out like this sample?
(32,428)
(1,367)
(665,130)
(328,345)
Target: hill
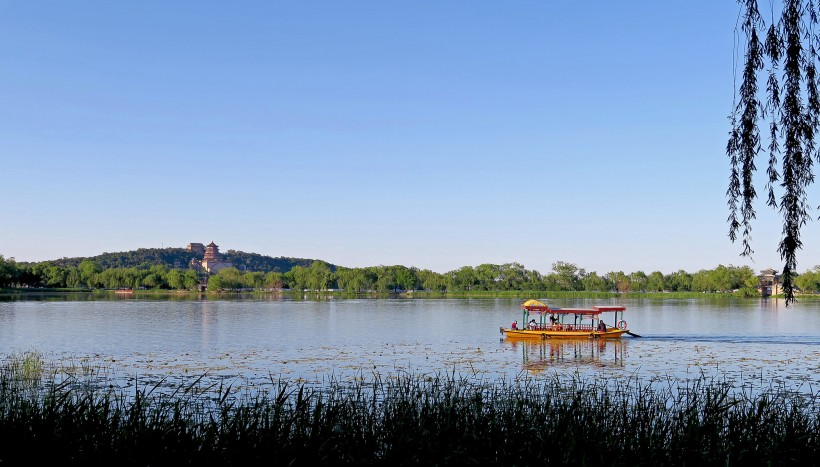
(144,258)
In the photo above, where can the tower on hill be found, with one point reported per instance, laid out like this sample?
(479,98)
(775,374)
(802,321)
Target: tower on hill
(212,260)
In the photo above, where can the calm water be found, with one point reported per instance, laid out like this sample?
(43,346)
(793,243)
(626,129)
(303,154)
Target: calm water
(254,341)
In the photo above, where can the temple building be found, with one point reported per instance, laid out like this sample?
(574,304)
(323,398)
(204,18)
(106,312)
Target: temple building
(197,248)
(769,282)
(212,260)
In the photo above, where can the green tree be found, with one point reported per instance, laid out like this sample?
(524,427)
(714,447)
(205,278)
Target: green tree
(655,282)
(318,276)
(638,281)
(156,278)
(592,282)
(567,275)
(226,279)
(190,280)
(463,278)
(215,283)
(679,281)
(115,278)
(231,278)
(741,277)
(486,276)
(432,281)
(620,280)
(72,277)
(785,54)
(274,280)
(131,277)
(106,278)
(385,279)
(54,276)
(720,279)
(27,276)
(809,281)
(297,278)
(152,281)
(703,281)
(534,281)
(352,280)
(253,279)
(512,276)
(9,272)
(176,279)
(88,269)
(406,278)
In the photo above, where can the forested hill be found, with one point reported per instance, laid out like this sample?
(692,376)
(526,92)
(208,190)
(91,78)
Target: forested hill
(256,262)
(144,258)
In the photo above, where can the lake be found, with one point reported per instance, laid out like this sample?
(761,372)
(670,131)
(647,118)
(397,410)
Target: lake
(250,340)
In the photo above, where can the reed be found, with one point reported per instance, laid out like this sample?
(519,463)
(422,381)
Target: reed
(408,420)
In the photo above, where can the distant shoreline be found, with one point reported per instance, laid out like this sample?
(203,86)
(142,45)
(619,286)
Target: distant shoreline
(308,295)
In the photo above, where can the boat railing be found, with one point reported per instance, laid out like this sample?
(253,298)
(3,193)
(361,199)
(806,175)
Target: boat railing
(562,327)
(577,327)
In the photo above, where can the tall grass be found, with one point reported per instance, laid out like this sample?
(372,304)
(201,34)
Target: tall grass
(409,420)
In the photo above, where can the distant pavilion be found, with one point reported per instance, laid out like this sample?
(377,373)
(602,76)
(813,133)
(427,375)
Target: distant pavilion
(769,283)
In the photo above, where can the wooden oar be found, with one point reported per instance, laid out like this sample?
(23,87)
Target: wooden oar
(632,334)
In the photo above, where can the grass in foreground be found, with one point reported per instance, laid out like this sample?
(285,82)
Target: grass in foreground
(405,421)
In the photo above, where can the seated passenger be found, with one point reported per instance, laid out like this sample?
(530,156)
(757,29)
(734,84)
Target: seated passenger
(601,326)
(532,324)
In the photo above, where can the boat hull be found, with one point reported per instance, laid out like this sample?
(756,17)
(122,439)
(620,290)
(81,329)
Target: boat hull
(543,334)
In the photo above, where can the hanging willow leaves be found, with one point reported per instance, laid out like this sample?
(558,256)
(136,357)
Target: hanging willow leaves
(790,107)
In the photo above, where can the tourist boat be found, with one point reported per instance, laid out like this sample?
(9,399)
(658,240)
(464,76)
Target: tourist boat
(568,323)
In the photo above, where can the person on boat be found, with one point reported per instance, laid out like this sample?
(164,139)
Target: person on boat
(514,325)
(532,324)
(553,319)
(601,326)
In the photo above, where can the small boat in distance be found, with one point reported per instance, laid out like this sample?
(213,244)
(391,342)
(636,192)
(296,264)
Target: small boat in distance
(124,291)
(568,323)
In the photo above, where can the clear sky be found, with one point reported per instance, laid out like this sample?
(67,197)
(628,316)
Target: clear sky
(434,134)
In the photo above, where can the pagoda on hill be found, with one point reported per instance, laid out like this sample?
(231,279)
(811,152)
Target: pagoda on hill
(212,261)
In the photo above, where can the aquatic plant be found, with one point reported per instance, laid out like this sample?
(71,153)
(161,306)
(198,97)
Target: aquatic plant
(410,420)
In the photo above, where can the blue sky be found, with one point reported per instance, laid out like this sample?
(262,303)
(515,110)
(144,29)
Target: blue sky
(434,134)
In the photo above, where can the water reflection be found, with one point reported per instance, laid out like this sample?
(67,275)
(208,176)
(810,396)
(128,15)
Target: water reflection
(258,336)
(47,295)
(538,355)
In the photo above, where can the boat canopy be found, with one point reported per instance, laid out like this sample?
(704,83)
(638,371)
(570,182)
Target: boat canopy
(535,305)
(610,308)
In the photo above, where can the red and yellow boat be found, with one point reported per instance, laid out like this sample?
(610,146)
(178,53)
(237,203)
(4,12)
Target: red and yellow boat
(568,323)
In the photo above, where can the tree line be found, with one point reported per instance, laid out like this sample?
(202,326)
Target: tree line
(321,276)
